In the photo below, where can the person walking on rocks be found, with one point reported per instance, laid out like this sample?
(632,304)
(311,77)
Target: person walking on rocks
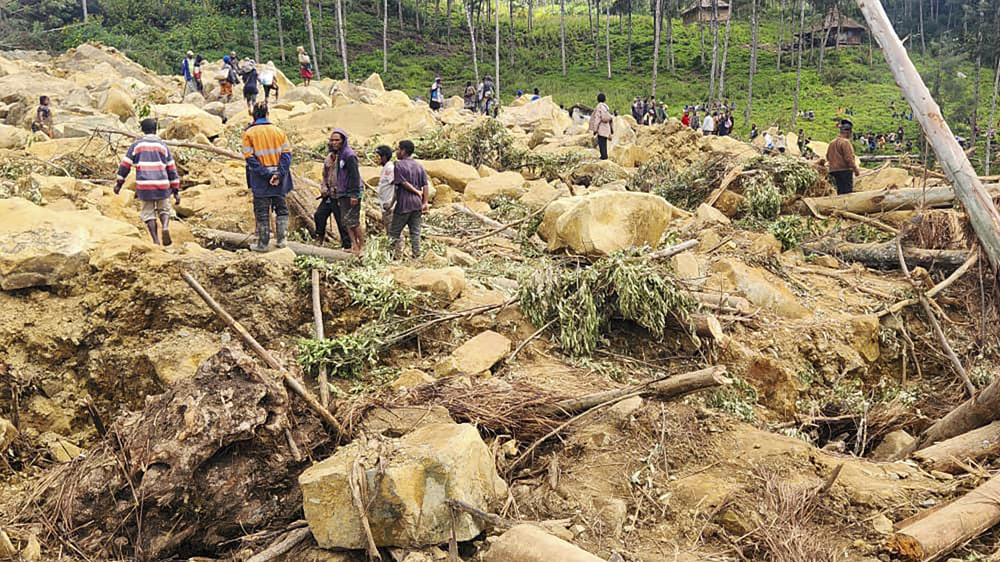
(840,159)
(198,61)
(412,192)
(386,187)
(437,96)
(268,79)
(187,70)
(250,87)
(708,125)
(156,179)
(341,193)
(268,157)
(469,97)
(305,66)
(600,125)
(43,117)
(227,79)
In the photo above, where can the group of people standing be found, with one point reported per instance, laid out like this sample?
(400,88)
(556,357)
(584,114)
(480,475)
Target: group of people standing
(649,111)
(233,72)
(481,98)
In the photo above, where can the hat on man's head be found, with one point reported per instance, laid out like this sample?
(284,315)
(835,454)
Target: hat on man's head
(846,125)
(190,53)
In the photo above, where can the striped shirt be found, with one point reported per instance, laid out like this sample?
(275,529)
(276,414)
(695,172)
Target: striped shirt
(155,171)
(267,152)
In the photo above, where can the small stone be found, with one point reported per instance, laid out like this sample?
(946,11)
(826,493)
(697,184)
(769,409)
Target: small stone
(7,549)
(411,378)
(32,550)
(475,355)
(706,215)
(882,524)
(60,449)
(528,543)
(942,475)
(398,421)
(624,410)
(892,445)
(458,257)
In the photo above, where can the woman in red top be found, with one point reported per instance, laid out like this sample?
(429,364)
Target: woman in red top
(686,119)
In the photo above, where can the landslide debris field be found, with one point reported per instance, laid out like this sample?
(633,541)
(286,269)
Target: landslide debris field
(688,352)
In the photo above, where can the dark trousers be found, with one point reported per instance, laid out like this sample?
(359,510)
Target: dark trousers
(262,208)
(412,221)
(602,145)
(328,206)
(844,180)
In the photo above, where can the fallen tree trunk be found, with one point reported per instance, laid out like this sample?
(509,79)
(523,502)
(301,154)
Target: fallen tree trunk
(662,389)
(243,241)
(882,200)
(931,536)
(883,255)
(976,199)
(977,411)
(951,454)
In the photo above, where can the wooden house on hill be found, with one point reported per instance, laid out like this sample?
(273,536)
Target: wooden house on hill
(835,29)
(701,10)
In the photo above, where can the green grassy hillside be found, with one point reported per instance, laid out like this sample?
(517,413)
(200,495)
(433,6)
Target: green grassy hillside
(847,80)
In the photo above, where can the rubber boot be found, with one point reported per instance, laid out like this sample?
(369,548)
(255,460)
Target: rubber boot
(151,226)
(263,237)
(280,240)
(165,223)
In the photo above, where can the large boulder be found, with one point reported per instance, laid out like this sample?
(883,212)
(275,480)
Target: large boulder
(27,86)
(116,102)
(476,355)
(7,434)
(445,283)
(456,174)
(363,122)
(40,246)
(528,543)
(504,184)
(539,114)
(306,94)
(759,287)
(88,56)
(409,480)
(373,82)
(606,221)
(884,178)
(190,126)
(13,137)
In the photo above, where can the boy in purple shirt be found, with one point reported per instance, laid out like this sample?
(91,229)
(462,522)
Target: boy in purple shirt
(412,189)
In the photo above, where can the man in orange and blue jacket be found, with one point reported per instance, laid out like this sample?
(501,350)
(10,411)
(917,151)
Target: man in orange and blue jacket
(268,156)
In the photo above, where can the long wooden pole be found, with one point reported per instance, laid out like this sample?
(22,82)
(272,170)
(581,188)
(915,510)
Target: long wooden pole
(324,377)
(983,213)
(290,380)
(239,240)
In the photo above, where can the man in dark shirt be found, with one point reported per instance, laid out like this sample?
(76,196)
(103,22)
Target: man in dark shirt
(840,160)
(412,190)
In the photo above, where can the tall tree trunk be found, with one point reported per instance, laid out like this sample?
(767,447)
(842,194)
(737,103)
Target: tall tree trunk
(798,68)
(701,35)
(590,22)
(974,118)
(319,33)
(531,16)
(385,37)
(562,34)
(671,63)
(607,35)
(510,13)
(822,48)
(991,126)
(312,38)
(715,49)
(748,111)
(399,8)
(281,32)
(923,42)
(256,31)
(496,69)
(630,34)
(340,32)
(781,31)
(597,33)
(656,42)
(447,15)
(472,37)
(416,14)
(722,67)
(86,12)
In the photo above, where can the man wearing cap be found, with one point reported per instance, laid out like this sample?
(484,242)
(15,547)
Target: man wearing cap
(841,161)
(187,69)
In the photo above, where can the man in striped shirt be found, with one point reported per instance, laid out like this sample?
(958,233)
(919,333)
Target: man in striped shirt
(268,156)
(156,179)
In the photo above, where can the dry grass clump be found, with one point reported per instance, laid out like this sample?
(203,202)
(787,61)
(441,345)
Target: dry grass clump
(784,529)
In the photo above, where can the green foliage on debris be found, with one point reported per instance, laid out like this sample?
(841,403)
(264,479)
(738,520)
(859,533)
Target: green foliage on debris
(774,181)
(488,142)
(346,356)
(368,286)
(685,188)
(738,399)
(581,301)
(791,230)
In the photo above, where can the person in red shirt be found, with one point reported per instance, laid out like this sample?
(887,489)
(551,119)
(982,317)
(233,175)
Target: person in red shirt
(686,119)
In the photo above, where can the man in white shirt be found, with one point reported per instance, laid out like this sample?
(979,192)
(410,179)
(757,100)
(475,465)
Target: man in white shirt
(386,187)
(708,125)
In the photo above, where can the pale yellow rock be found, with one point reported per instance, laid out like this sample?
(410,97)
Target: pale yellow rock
(116,102)
(363,122)
(176,360)
(488,189)
(456,174)
(686,266)
(13,137)
(60,449)
(547,229)
(475,296)
(792,144)
(706,215)
(7,434)
(454,256)
(607,221)
(765,244)
(190,126)
(540,193)
(892,445)
(422,470)
(39,246)
(374,82)
(445,283)
(885,178)
(7,550)
(542,113)
(485,171)
(442,194)
(32,550)
(598,172)
(397,421)
(730,146)
(411,378)
(476,355)
(759,287)
(53,188)
(306,94)
(528,543)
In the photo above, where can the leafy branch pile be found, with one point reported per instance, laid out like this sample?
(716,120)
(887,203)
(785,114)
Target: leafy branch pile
(778,178)
(581,302)
(685,188)
(488,142)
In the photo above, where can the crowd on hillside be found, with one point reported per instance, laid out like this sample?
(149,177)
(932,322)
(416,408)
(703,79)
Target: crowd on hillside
(237,71)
